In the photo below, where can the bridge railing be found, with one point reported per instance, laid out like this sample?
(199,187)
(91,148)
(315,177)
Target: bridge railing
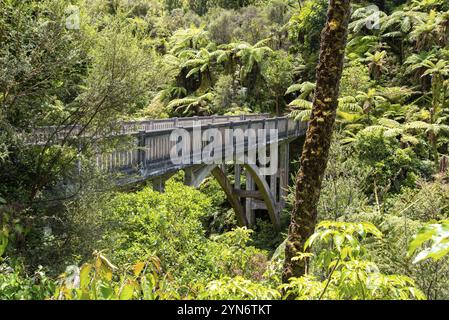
(151,146)
(58,133)
(148,144)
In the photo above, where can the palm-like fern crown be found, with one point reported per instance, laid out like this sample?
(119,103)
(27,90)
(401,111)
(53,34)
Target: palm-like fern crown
(363,17)
(192,38)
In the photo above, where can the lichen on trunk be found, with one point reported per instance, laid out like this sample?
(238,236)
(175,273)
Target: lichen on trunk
(318,138)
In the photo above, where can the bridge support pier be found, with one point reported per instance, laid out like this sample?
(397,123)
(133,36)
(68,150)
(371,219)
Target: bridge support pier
(233,198)
(249,210)
(159,184)
(261,192)
(195,175)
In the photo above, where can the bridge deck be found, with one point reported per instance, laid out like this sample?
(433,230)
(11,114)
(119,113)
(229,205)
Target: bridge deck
(150,152)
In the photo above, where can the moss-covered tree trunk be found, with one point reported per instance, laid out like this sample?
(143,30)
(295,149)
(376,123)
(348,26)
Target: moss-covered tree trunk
(318,138)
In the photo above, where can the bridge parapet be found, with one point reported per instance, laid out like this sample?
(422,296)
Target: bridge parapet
(151,149)
(57,133)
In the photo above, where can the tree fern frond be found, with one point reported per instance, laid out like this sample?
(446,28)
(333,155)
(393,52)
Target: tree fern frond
(406,138)
(262,43)
(193,63)
(348,116)
(354,127)
(349,104)
(181,102)
(417,125)
(301,115)
(393,34)
(348,140)
(301,103)
(389,123)
(373,128)
(192,72)
(303,87)
(293,88)
(391,133)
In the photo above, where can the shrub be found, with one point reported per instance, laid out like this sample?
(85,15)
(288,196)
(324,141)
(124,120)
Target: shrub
(389,165)
(237,288)
(101,280)
(167,225)
(343,262)
(16,284)
(234,257)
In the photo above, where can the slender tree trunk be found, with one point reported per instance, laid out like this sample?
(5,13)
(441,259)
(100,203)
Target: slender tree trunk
(278,112)
(318,138)
(436,98)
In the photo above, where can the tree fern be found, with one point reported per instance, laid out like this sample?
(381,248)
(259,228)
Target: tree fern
(349,104)
(200,103)
(305,88)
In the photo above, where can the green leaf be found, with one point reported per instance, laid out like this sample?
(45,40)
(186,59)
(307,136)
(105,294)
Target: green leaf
(106,291)
(3,241)
(424,234)
(147,285)
(84,275)
(127,291)
(138,267)
(311,239)
(192,72)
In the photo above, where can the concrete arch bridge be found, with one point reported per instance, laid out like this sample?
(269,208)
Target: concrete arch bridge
(255,145)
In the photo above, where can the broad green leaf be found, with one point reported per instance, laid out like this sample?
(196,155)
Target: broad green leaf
(127,291)
(84,275)
(138,267)
(106,291)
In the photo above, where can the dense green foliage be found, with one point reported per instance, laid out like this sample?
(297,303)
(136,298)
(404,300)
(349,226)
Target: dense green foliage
(91,63)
